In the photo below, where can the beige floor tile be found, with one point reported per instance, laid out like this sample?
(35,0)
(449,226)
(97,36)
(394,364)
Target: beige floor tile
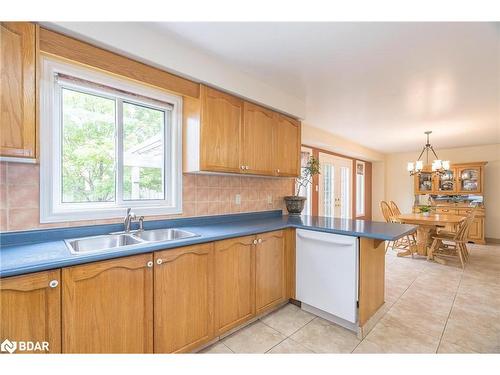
(217,348)
(386,338)
(414,320)
(426,303)
(255,338)
(290,346)
(450,348)
(322,336)
(471,334)
(288,319)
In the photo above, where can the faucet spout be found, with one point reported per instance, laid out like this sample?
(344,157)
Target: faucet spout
(128,219)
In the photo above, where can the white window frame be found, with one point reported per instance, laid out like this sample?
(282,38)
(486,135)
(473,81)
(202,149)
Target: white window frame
(52,209)
(360,203)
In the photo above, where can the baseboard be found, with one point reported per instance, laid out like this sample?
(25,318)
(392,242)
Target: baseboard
(492,240)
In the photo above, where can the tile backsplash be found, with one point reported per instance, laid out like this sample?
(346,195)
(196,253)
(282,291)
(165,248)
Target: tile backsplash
(202,195)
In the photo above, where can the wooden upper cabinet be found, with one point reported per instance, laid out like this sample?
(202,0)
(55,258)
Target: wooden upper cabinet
(184,298)
(286,145)
(257,140)
(108,306)
(17,89)
(30,309)
(221,120)
(234,282)
(470,179)
(270,288)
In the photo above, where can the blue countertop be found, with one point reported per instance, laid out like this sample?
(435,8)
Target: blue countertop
(38,250)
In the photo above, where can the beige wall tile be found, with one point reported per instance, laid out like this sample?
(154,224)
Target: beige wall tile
(23,196)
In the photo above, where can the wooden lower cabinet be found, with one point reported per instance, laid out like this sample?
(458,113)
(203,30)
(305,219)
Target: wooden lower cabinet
(108,306)
(234,282)
(30,309)
(270,287)
(183,298)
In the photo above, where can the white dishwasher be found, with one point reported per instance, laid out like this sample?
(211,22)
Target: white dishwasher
(327,274)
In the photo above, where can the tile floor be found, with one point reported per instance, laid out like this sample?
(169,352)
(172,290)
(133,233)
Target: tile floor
(430,308)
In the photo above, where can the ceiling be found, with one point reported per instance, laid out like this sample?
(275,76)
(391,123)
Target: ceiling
(379,84)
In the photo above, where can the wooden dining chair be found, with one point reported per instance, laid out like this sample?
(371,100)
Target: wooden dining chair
(387,213)
(396,211)
(453,244)
(404,243)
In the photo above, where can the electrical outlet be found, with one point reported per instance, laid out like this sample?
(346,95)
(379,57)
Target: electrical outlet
(270,199)
(237,199)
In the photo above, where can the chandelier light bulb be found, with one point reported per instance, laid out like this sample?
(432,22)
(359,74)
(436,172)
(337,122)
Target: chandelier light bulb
(411,167)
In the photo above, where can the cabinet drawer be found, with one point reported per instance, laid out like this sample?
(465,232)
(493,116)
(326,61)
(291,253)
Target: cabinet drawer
(449,211)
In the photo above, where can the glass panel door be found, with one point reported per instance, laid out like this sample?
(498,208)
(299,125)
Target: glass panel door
(335,186)
(469,180)
(446,182)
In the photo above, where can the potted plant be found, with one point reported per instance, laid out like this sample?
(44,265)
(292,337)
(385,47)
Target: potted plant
(425,210)
(295,203)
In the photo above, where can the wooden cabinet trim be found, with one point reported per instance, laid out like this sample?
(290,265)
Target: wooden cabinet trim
(72,49)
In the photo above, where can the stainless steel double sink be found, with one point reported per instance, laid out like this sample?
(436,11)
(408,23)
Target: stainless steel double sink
(117,240)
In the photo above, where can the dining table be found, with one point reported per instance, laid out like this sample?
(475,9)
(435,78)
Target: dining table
(427,227)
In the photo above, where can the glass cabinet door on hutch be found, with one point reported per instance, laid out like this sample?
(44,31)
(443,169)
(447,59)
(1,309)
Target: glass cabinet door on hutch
(446,183)
(423,183)
(469,180)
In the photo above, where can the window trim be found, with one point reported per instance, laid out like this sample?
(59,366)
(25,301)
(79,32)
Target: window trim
(362,200)
(51,207)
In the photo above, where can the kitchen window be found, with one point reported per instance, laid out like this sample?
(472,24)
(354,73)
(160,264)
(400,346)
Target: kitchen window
(106,144)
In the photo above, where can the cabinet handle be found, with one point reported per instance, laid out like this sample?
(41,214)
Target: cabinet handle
(260,240)
(277,171)
(53,283)
(159,261)
(255,242)
(149,264)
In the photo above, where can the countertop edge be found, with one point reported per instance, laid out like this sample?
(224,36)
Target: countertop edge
(152,247)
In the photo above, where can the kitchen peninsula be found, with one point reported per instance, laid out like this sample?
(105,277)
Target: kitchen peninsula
(255,252)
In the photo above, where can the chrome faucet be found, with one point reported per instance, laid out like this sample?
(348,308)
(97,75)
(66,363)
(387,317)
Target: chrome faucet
(128,219)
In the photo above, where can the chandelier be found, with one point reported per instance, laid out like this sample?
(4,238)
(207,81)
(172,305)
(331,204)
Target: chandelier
(438,166)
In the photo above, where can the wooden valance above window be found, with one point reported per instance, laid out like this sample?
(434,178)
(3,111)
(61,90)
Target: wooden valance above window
(59,45)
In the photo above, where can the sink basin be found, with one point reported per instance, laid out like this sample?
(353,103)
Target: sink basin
(157,235)
(100,243)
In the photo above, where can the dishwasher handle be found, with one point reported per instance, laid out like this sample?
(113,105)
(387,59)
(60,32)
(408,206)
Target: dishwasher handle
(320,237)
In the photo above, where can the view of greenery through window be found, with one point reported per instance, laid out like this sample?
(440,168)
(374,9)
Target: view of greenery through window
(143,130)
(88,149)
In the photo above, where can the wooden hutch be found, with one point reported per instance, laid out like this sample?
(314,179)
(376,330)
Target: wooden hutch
(462,180)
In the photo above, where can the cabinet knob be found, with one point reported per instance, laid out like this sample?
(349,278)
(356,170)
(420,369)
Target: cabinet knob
(159,261)
(149,264)
(260,240)
(247,167)
(255,242)
(277,171)
(242,167)
(53,283)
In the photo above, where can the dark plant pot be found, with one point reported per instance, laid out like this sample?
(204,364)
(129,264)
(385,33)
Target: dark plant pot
(295,204)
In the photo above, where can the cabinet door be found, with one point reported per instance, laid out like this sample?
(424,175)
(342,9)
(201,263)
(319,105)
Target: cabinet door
(108,306)
(286,146)
(257,140)
(269,271)
(424,183)
(234,282)
(221,117)
(17,89)
(469,180)
(184,298)
(476,229)
(447,182)
(30,309)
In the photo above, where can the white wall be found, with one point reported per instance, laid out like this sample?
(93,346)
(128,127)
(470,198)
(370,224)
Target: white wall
(140,42)
(399,185)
